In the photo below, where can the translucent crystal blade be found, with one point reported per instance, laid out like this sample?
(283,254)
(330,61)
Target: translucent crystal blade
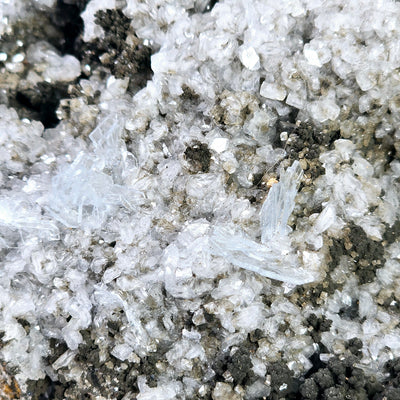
(276,210)
(276,261)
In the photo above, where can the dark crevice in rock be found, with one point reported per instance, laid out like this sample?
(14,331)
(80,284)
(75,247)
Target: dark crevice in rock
(46,389)
(60,26)
(210,5)
(202,7)
(41,102)
(66,17)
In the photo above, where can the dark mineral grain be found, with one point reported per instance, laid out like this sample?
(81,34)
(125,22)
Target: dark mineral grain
(307,142)
(199,157)
(340,379)
(283,383)
(354,345)
(318,325)
(124,60)
(392,233)
(238,365)
(366,254)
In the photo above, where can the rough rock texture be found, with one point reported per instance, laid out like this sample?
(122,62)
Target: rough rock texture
(199,199)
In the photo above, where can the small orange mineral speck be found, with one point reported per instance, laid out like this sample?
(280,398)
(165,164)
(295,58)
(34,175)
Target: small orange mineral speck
(9,389)
(271,182)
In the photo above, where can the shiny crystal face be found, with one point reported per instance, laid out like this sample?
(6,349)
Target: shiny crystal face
(199,199)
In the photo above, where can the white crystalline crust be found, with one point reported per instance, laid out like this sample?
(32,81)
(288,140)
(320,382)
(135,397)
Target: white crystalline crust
(255,35)
(106,220)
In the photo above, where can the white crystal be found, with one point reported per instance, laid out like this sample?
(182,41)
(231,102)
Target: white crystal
(18,58)
(164,391)
(53,66)
(317,53)
(367,307)
(258,390)
(230,165)
(249,318)
(219,144)
(272,91)
(326,219)
(107,143)
(297,100)
(366,79)
(43,5)
(80,193)
(18,213)
(249,58)
(312,56)
(276,210)
(345,148)
(147,265)
(122,351)
(362,167)
(224,391)
(64,359)
(324,110)
(71,334)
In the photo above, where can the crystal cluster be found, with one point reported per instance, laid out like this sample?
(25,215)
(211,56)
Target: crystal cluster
(274,258)
(197,227)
